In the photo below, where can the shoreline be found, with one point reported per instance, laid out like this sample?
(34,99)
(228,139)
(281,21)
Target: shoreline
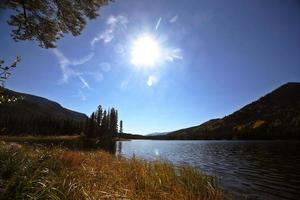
(68,174)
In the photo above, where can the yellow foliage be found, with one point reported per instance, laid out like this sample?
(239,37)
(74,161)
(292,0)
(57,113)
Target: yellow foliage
(258,123)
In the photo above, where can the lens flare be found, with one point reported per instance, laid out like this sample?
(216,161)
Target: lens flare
(145,52)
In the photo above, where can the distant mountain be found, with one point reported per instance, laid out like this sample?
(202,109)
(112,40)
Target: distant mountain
(274,116)
(157,133)
(32,114)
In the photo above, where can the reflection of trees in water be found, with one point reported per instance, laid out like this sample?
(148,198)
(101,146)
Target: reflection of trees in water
(119,147)
(106,145)
(109,146)
(93,145)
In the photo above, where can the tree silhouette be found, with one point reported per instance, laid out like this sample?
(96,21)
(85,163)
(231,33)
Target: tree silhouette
(46,21)
(103,123)
(99,115)
(113,127)
(5,72)
(121,127)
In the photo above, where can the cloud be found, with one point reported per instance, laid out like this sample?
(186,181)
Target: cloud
(119,19)
(113,22)
(151,80)
(64,65)
(68,72)
(83,60)
(84,83)
(158,23)
(173,19)
(174,54)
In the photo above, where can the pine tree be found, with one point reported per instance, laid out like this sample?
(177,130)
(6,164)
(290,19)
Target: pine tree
(116,122)
(104,125)
(113,121)
(108,119)
(121,127)
(99,115)
(91,126)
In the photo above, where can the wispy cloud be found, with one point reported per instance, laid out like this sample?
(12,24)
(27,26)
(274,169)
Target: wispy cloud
(174,54)
(64,65)
(158,23)
(82,60)
(173,19)
(84,83)
(68,72)
(113,22)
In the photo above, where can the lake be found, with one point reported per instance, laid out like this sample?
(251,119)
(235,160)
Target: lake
(246,169)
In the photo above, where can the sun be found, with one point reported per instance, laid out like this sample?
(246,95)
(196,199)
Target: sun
(145,51)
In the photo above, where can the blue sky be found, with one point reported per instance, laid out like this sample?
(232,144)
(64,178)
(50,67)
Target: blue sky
(216,56)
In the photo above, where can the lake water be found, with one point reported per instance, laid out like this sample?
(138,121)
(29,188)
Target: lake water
(247,169)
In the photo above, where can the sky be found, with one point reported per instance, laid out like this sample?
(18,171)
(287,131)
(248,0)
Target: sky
(165,64)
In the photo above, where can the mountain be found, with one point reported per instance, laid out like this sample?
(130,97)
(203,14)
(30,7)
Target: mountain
(157,133)
(274,116)
(37,115)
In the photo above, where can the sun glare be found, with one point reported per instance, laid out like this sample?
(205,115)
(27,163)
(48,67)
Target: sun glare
(145,52)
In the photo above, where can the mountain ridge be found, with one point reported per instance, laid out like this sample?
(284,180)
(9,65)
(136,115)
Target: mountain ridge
(42,101)
(32,114)
(269,117)
(156,133)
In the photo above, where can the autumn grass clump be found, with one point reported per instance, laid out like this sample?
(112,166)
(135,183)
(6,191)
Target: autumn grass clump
(45,173)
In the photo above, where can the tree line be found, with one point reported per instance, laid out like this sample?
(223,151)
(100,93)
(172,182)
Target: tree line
(101,124)
(22,124)
(104,124)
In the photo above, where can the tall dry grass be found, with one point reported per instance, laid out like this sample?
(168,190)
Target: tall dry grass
(44,173)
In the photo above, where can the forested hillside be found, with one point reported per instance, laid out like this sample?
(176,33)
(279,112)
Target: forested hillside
(29,114)
(274,116)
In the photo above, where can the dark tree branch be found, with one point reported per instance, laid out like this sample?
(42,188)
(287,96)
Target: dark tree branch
(24,10)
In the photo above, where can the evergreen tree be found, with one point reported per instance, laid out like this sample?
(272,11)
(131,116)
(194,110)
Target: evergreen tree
(108,120)
(113,121)
(116,122)
(104,125)
(99,115)
(121,127)
(91,126)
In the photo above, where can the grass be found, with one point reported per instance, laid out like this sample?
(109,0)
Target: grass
(37,139)
(56,173)
(76,143)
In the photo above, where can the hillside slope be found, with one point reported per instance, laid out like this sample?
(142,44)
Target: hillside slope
(274,116)
(33,114)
